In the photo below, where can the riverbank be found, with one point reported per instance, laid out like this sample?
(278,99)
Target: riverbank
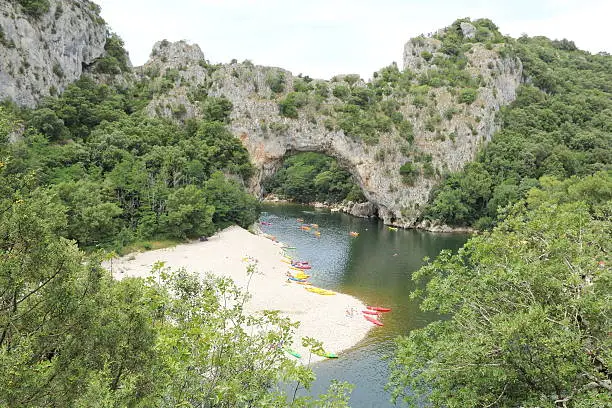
(321,317)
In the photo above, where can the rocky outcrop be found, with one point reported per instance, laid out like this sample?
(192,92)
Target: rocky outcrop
(270,137)
(47,49)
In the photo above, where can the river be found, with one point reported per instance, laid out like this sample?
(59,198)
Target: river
(375,267)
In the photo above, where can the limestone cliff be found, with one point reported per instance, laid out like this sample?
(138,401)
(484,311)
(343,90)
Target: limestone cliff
(447,130)
(43,49)
(397,134)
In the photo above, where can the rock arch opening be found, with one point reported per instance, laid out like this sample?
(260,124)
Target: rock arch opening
(313,177)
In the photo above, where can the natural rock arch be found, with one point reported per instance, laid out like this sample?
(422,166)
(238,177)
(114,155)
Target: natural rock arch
(268,136)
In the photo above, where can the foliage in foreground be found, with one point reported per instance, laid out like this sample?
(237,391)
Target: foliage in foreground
(70,335)
(529,305)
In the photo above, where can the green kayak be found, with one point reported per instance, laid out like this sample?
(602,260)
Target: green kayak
(293,353)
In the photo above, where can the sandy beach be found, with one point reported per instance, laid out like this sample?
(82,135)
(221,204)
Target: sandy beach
(321,317)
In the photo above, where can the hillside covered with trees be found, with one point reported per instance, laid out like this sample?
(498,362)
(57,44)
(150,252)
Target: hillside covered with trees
(560,125)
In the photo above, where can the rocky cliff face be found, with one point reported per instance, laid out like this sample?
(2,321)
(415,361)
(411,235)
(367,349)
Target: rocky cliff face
(44,49)
(270,137)
(414,126)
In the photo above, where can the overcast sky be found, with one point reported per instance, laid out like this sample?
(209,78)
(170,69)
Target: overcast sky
(322,38)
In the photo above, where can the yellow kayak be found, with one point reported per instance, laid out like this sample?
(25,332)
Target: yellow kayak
(320,291)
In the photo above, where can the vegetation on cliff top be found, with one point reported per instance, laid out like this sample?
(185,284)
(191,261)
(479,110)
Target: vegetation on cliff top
(559,125)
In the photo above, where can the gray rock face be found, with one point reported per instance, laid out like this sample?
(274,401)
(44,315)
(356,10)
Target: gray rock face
(468,30)
(270,137)
(416,48)
(40,56)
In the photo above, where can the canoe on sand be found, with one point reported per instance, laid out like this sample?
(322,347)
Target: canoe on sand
(320,291)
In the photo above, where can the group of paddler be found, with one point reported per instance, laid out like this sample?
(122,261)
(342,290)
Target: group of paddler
(309,227)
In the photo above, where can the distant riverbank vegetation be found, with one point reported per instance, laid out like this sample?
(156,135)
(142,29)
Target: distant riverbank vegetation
(310,177)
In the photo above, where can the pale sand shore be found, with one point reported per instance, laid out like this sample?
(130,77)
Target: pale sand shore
(321,317)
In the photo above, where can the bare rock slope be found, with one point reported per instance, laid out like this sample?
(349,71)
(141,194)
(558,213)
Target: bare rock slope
(43,49)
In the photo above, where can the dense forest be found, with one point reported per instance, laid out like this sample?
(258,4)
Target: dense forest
(122,176)
(560,125)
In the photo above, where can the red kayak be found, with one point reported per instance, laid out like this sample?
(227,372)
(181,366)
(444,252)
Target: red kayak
(379,309)
(373,320)
(369,312)
(301,266)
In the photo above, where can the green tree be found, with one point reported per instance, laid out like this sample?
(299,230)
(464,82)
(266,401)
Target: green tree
(528,312)
(188,214)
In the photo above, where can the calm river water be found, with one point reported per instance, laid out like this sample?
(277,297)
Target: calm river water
(375,267)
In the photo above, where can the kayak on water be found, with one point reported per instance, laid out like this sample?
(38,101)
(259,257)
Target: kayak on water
(373,320)
(379,309)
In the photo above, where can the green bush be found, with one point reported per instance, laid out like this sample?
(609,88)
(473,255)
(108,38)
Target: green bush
(35,8)
(426,55)
(289,105)
(276,81)
(409,172)
(467,95)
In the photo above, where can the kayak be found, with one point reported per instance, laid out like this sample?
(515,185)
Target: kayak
(293,353)
(330,355)
(373,320)
(314,225)
(299,275)
(320,291)
(353,234)
(288,247)
(296,279)
(301,266)
(369,312)
(392,228)
(379,309)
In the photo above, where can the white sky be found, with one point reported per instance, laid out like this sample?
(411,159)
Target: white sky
(322,38)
